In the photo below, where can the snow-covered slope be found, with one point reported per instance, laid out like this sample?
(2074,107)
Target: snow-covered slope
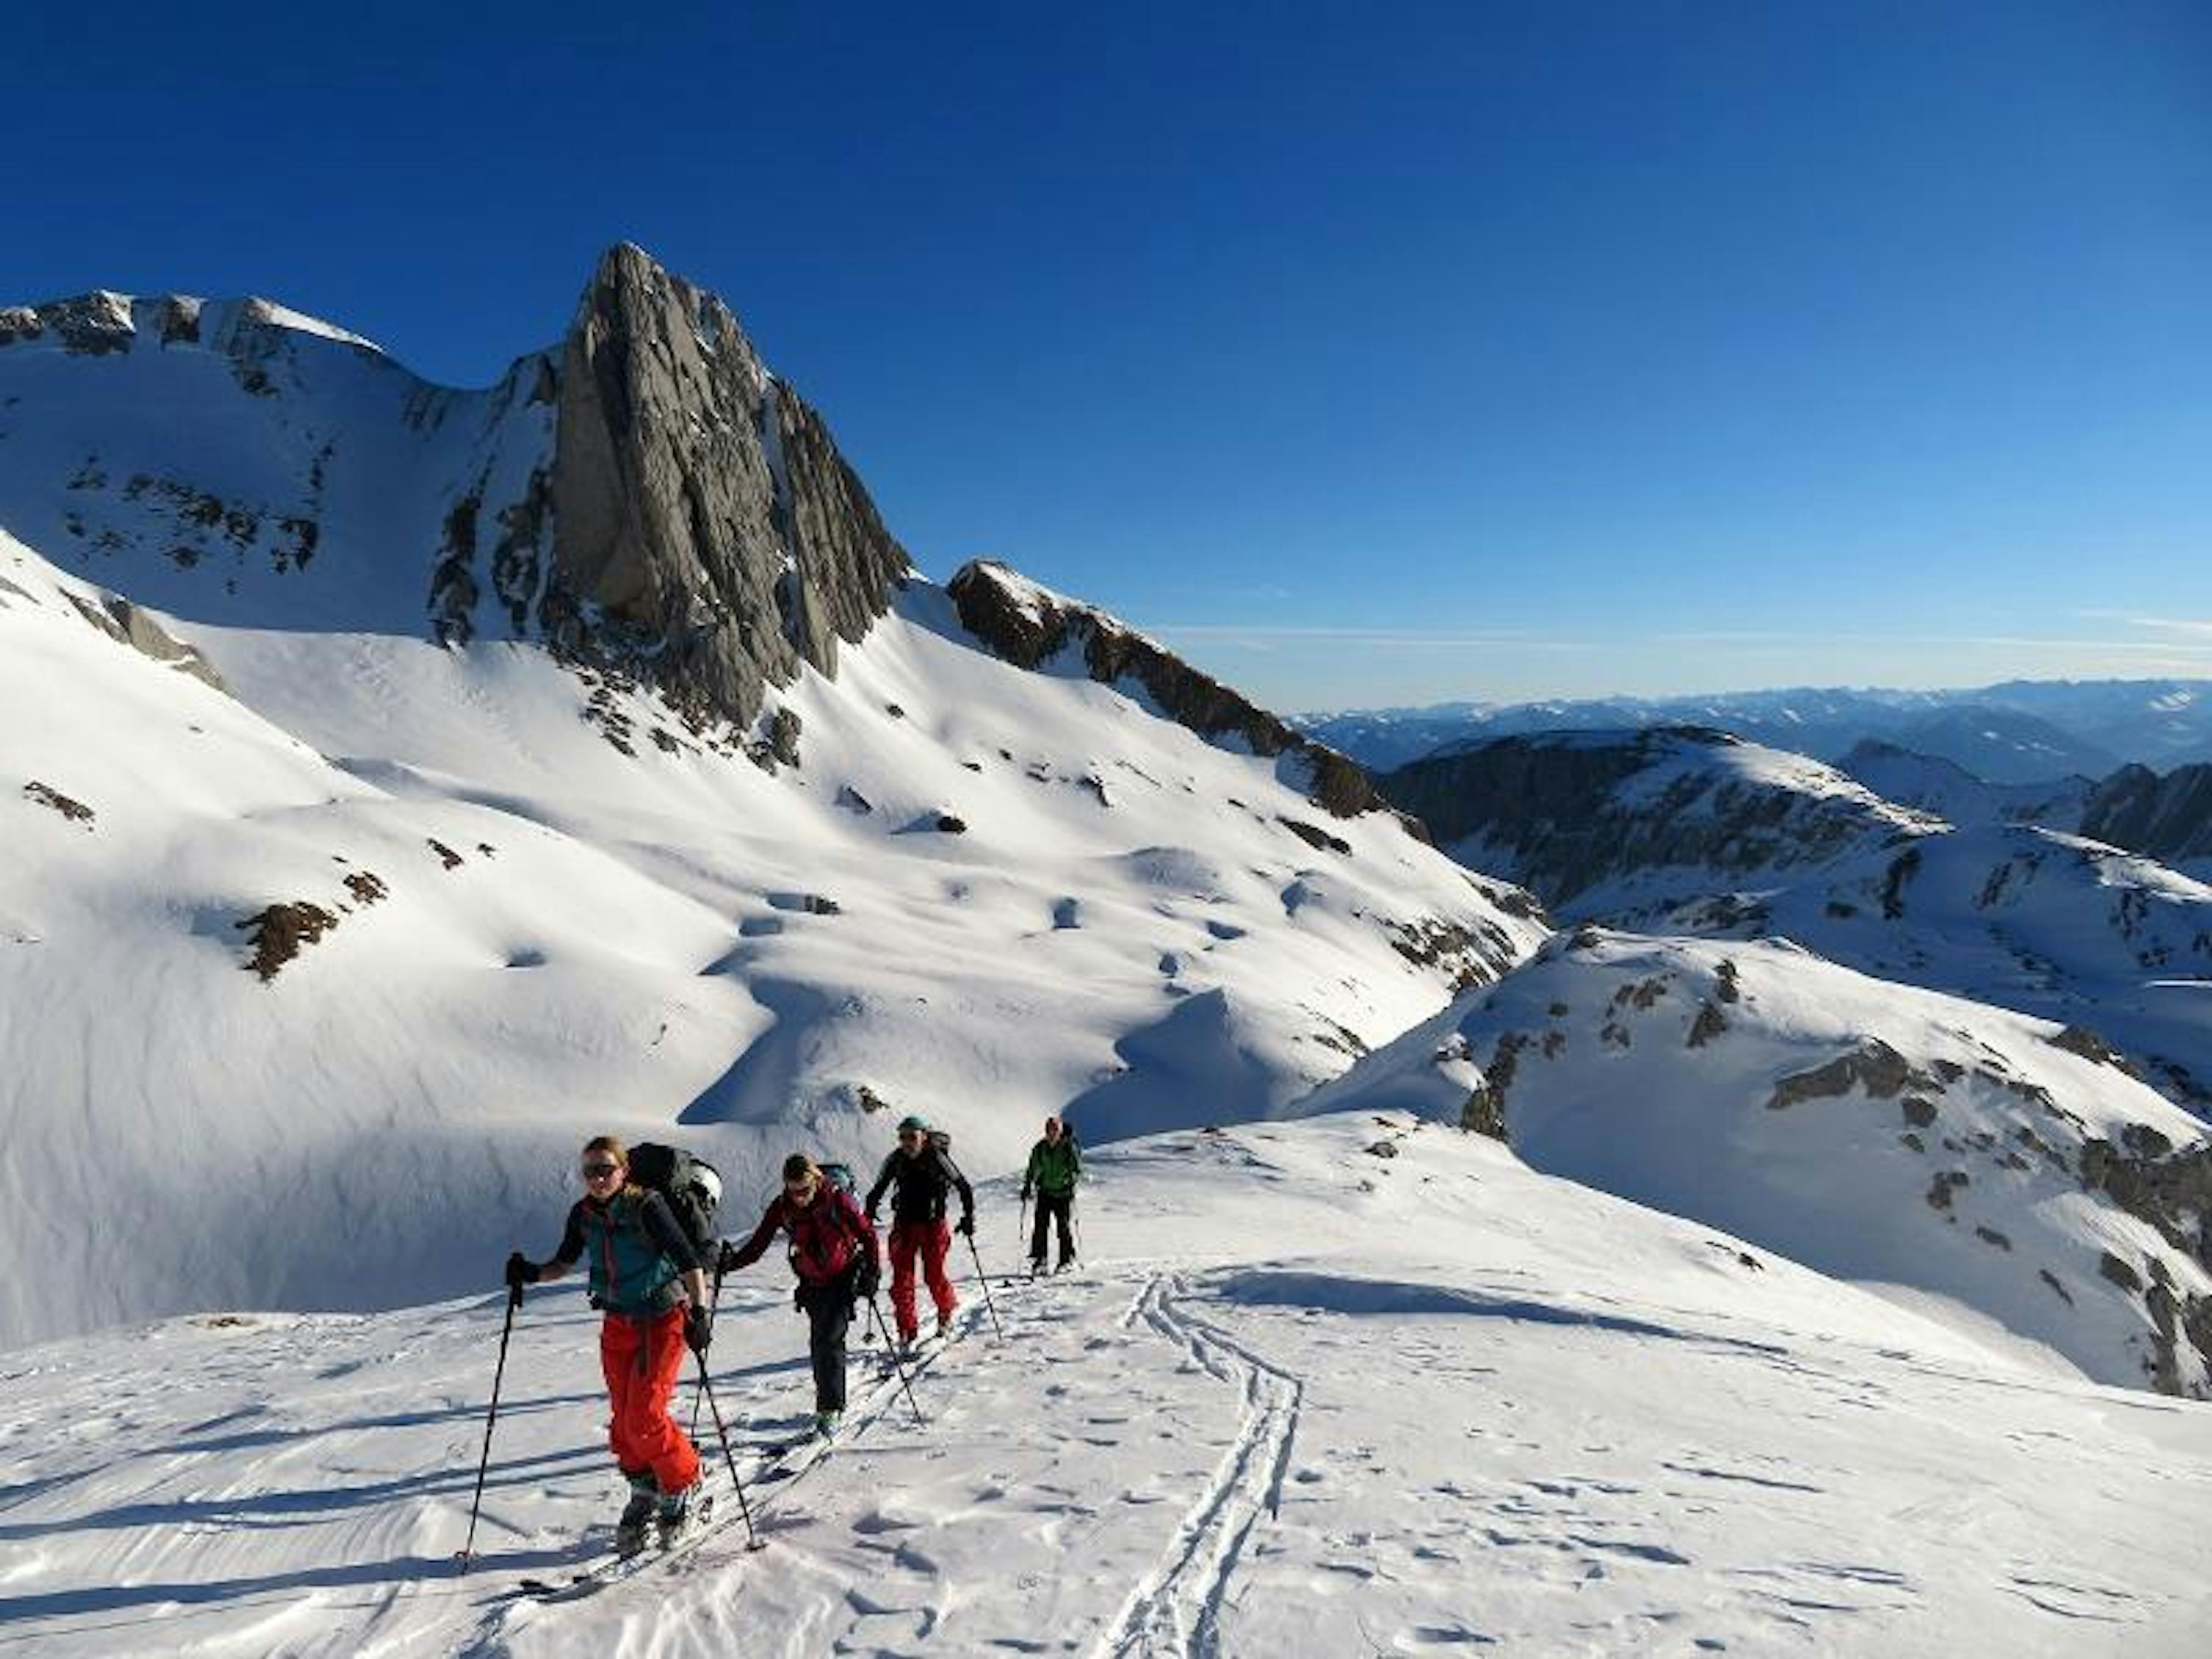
(969,890)
(1928,783)
(232,460)
(1896,1137)
(1309,1398)
(2025,919)
(1670,831)
(1598,820)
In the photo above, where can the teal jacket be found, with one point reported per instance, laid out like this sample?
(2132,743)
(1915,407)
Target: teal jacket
(1055,1166)
(634,1247)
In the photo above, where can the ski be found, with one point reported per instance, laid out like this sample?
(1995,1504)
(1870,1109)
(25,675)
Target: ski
(777,1466)
(611,1569)
(787,1461)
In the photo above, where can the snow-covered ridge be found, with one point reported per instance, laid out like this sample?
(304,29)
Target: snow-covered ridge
(1036,628)
(1875,1133)
(1584,819)
(1930,784)
(104,320)
(236,461)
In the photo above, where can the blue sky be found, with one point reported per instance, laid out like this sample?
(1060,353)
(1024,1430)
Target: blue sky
(1366,354)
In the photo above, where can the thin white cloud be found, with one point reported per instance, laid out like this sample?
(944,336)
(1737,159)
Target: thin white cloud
(1260,634)
(2189,626)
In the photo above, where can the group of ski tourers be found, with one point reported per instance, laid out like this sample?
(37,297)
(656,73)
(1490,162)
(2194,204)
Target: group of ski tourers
(649,1278)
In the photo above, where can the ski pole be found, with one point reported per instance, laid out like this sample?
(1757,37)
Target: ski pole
(898,1364)
(707,1389)
(714,1307)
(984,1279)
(1026,1222)
(499,1373)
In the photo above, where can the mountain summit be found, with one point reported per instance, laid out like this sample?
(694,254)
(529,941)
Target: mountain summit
(645,497)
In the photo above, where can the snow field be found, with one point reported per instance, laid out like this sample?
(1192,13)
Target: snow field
(1304,1399)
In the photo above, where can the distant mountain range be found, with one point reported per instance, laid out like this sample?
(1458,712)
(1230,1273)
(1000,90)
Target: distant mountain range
(2022,732)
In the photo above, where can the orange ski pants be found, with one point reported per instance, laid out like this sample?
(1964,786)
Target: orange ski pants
(642,1356)
(931,1239)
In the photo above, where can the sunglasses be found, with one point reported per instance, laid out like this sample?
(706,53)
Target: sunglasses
(595,1171)
(906,1135)
(799,1189)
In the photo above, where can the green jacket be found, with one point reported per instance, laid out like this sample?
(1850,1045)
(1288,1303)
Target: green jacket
(1055,1166)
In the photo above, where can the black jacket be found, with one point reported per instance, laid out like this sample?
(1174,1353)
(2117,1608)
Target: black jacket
(919,1185)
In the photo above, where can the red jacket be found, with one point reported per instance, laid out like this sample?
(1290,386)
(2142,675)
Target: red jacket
(827,1237)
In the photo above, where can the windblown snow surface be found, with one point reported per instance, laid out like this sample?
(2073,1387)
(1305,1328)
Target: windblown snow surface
(1353,1385)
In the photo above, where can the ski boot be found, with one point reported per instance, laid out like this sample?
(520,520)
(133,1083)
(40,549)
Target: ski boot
(629,1531)
(826,1424)
(671,1511)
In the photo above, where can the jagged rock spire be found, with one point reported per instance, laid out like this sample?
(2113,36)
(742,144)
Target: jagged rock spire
(705,524)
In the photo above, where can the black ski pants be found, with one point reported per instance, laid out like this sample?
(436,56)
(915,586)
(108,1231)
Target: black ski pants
(829,1309)
(1053,1207)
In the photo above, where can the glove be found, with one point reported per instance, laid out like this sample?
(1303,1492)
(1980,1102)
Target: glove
(698,1329)
(866,1278)
(520,1271)
(725,1260)
(872,1215)
(967,1227)
(1026,1194)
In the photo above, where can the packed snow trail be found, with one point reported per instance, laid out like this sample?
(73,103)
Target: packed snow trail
(1306,1400)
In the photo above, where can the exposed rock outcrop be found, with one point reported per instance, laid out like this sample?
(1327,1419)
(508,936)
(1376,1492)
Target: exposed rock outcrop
(1032,626)
(2168,817)
(707,532)
(117,618)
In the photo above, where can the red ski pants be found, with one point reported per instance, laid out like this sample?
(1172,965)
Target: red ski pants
(643,1358)
(932,1239)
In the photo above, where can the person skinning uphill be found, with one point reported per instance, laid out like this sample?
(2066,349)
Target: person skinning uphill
(920,1173)
(1055,1166)
(833,1251)
(646,1280)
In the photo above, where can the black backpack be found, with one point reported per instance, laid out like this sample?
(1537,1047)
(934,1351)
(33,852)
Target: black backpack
(692,1187)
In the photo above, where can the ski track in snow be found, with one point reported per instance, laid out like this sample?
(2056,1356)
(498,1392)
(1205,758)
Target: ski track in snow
(1177,1608)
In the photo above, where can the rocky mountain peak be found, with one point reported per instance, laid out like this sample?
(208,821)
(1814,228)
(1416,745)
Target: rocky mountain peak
(707,530)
